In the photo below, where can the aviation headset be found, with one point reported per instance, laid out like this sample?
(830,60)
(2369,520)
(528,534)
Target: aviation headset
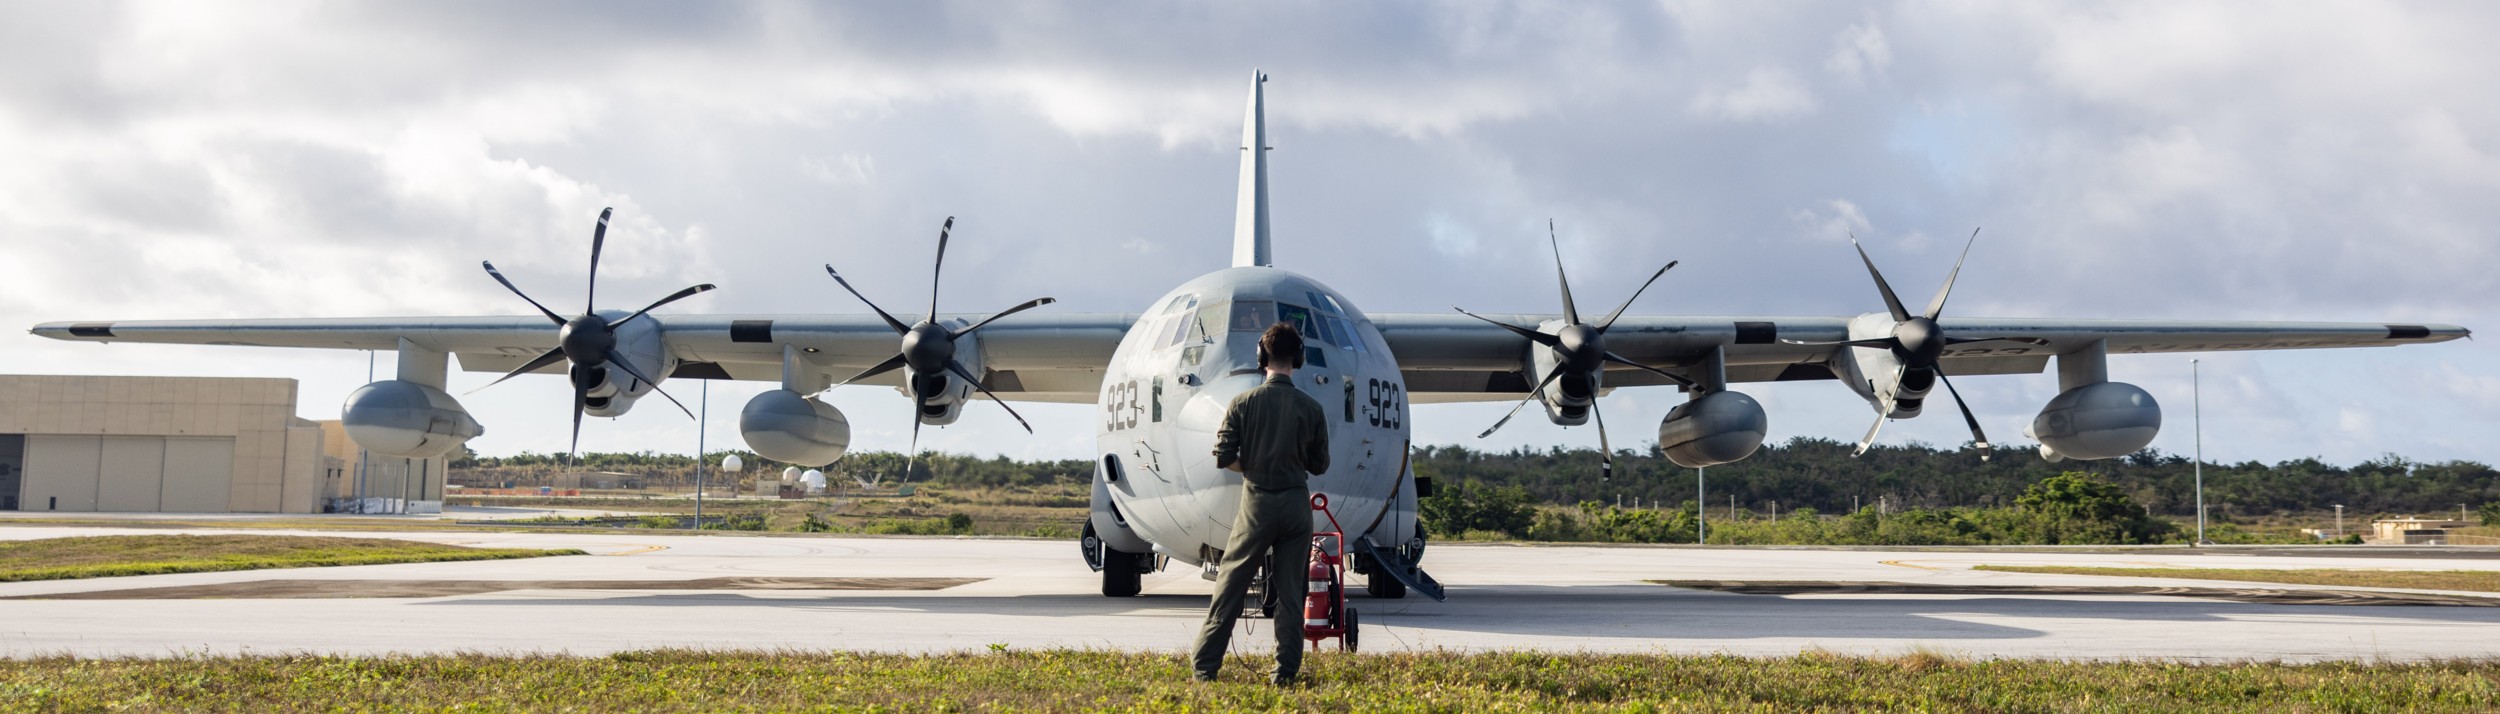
(1298,355)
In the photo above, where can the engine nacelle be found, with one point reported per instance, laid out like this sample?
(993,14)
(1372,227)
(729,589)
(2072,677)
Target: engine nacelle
(407,420)
(1713,429)
(786,426)
(2096,421)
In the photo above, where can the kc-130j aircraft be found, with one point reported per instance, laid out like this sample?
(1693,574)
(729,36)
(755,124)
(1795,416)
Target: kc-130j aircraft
(1163,377)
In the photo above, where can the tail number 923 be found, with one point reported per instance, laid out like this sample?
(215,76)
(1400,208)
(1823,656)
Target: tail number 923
(1120,406)
(1388,404)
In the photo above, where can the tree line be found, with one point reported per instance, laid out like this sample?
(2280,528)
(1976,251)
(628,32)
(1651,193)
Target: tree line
(1820,474)
(1802,473)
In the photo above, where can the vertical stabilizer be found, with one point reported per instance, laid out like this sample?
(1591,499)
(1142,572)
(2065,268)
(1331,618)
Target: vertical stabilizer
(1250,246)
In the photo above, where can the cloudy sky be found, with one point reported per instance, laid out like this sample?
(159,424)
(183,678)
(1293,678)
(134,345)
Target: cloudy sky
(2168,160)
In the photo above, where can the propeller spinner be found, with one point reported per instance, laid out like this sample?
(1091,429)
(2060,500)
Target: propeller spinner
(1917,343)
(928,348)
(1580,353)
(587,343)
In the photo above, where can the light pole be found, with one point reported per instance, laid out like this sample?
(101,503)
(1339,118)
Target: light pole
(2196,388)
(1701,506)
(2339,520)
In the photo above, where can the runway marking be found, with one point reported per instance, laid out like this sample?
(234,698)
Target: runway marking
(1907,564)
(352,589)
(639,551)
(2269,596)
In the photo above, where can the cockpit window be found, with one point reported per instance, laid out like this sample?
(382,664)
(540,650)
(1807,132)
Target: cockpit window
(1180,302)
(1180,329)
(1253,315)
(1300,318)
(1210,320)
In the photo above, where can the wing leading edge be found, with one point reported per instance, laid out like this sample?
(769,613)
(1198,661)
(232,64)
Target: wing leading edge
(1449,357)
(1039,357)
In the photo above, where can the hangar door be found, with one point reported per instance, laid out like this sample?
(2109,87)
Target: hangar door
(127,473)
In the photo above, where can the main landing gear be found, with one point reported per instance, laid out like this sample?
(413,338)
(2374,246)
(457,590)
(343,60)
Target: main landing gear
(1123,573)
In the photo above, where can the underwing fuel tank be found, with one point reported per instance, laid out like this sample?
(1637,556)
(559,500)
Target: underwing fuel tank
(789,427)
(1716,428)
(407,420)
(2096,421)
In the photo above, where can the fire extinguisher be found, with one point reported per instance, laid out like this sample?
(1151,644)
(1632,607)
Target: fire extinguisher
(1323,585)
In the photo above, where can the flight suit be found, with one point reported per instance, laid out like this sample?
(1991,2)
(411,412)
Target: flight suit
(1279,436)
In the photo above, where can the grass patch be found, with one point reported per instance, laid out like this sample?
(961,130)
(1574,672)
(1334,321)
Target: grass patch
(1012,680)
(108,556)
(2468,580)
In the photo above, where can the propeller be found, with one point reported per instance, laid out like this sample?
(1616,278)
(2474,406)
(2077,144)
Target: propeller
(1917,343)
(587,343)
(928,348)
(1580,352)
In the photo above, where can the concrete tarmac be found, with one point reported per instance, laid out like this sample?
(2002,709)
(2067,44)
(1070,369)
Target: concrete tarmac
(655,590)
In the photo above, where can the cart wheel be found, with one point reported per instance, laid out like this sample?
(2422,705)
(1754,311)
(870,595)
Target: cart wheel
(1353,630)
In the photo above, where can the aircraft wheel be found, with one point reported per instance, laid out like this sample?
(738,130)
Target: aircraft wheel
(1353,630)
(1121,576)
(1384,586)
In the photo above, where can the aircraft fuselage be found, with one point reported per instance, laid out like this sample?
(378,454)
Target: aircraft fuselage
(1171,379)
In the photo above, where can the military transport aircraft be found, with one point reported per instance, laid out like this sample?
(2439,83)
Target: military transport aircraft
(1163,377)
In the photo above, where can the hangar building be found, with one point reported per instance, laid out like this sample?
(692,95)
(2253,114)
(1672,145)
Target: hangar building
(183,445)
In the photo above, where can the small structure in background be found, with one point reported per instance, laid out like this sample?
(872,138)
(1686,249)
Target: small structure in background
(2411,530)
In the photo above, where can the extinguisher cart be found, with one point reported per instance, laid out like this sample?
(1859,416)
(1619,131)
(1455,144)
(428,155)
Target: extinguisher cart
(1324,612)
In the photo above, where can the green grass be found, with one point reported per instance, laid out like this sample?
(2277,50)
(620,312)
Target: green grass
(2470,580)
(1015,680)
(108,556)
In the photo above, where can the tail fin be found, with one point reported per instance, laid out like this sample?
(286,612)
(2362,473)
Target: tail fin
(1250,246)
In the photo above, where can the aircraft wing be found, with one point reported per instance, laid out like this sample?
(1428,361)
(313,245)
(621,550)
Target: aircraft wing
(1029,357)
(1454,358)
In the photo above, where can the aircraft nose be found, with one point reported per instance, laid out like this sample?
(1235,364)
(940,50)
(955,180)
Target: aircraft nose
(1204,413)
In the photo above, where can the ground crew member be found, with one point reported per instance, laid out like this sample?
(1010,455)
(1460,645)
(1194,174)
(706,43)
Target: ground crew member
(1277,437)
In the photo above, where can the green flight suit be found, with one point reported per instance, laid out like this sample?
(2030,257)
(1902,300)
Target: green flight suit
(1279,437)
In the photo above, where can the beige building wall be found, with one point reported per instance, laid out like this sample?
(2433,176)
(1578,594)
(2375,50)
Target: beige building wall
(384,476)
(177,444)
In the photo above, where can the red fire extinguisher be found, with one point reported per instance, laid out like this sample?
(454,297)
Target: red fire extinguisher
(1323,581)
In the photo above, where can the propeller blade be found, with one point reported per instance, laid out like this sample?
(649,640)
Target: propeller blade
(919,404)
(1891,342)
(1636,295)
(1967,417)
(1570,313)
(1883,413)
(1514,410)
(888,365)
(674,297)
(899,327)
(1532,335)
(542,362)
(1679,379)
(1891,302)
(618,361)
(1937,307)
(507,285)
(1967,340)
(598,240)
(1869,441)
(1028,305)
(938,266)
(966,375)
(581,403)
(1606,453)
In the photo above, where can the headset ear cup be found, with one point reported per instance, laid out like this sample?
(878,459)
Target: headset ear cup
(1262,356)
